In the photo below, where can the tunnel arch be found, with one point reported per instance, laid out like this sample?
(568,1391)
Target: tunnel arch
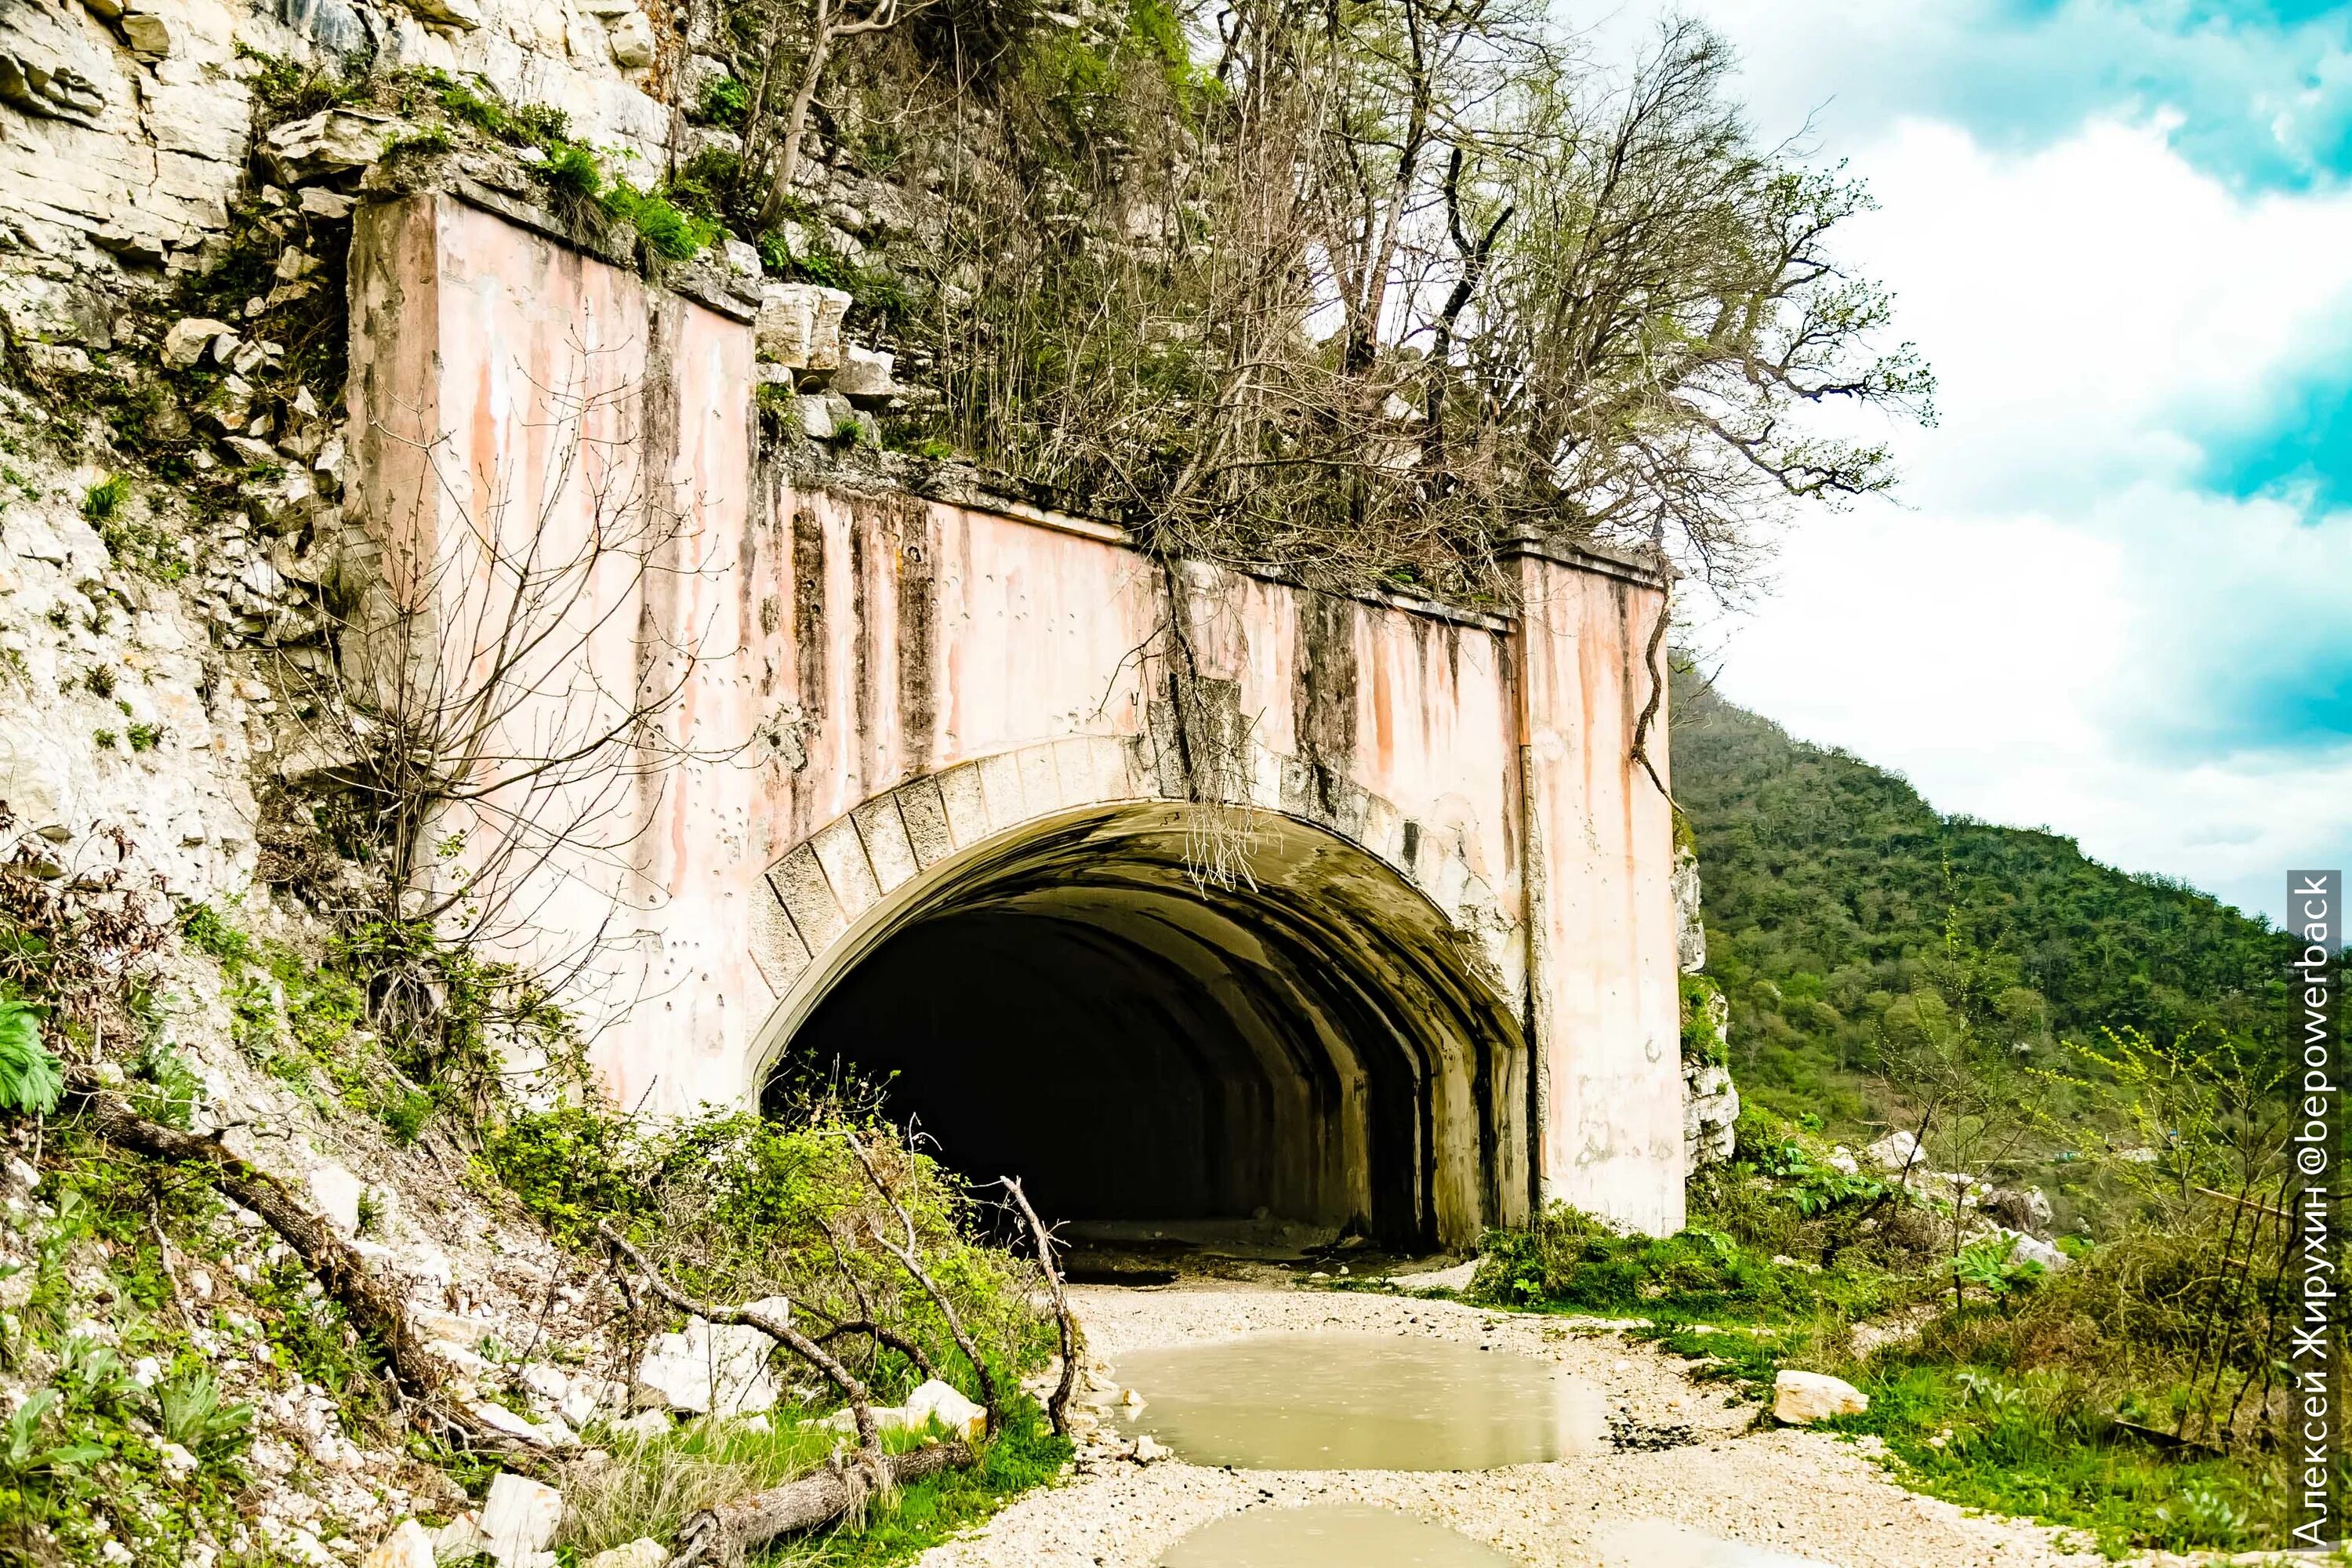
(1315,1042)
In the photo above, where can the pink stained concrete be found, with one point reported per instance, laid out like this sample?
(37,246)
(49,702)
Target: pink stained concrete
(1604,992)
(889,639)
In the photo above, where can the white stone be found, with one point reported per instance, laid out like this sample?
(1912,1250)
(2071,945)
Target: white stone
(551,1434)
(35,779)
(945,1404)
(176,1460)
(645,1551)
(1801,1398)
(331,142)
(406,1546)
(742,257)
(817,418)
(2031,1249)
(787,322)
(633,40)
(186,342)
(1899,1151)
(148,34)
(518,1518)
(460,1540)
(864,376)
(320,202)
(710,1370)
(1149,1449)
(464,15)
(335,1192)
(644,1426)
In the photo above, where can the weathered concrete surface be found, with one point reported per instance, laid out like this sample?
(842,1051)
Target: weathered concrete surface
(904,709)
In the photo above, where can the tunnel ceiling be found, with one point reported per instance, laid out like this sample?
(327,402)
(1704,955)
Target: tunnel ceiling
(1305,1042)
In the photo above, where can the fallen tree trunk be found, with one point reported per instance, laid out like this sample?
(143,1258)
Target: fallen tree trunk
(373,1308)
(722,1533)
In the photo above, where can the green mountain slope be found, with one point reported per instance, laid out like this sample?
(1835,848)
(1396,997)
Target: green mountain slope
(1828,882)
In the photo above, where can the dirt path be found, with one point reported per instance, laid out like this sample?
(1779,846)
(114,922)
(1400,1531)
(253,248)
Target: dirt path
(1806,1496)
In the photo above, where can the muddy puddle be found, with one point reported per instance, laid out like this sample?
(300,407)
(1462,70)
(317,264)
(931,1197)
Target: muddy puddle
(1656,1544)
(1360,1402)
(1327,1535)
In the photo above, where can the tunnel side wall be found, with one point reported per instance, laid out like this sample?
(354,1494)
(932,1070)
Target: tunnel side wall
(885,679)
(1604,989)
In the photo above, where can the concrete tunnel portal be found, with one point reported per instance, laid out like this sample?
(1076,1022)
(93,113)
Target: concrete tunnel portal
(1303,1043)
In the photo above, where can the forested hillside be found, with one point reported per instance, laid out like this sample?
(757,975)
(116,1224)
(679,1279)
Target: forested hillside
(1829,885)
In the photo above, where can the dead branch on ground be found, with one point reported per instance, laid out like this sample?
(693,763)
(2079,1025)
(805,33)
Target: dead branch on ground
(1058,1404)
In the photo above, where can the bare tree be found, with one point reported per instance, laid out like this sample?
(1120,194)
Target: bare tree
(503,713)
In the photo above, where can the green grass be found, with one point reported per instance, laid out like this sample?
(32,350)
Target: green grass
(1025,1454)
(2010,1404)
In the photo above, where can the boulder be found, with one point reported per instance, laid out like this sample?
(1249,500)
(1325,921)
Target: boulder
(409,1545)
(1801,1398)
(634,47)
(2031,1249)
(644,1426)
(800,325)
(1710,1115)
(709,1370)
(940,1402)
(148,34)
(550,1434)
(335,1192)
(186,340)
(518,1518)
(1899,1151)
(645,1551)
(331,142)
(461,1540)
(864,377)
(462,15)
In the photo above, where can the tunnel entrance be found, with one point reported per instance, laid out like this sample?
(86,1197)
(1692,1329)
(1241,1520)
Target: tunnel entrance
(1306,1046)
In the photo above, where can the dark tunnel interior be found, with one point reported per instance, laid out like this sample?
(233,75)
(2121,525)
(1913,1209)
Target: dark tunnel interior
(1301,1049)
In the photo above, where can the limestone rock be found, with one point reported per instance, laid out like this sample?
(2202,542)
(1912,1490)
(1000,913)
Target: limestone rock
(2031,1249)
(1801,1398)
(538,1434)
(518,1518)
(817,418)
(331,142)
(633,40)
(644,1426)
(1710,1115)
(800,325)
(148,33)
(408,1546)
(1690,932)
(710,1369)
(464,15)
(865,376)
(937,1400)
(336,1194)
(318,202)
(460,1540)
(186,340)
(645,1551)
(47,87)
(34,780)
(1899,1151)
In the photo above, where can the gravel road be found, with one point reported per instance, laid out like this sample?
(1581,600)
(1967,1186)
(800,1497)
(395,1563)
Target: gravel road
(1790,1496)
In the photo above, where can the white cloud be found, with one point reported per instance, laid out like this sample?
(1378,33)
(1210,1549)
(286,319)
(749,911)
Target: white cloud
(2053,628)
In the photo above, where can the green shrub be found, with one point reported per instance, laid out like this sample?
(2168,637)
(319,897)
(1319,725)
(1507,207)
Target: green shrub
(104,499)
(31,1078)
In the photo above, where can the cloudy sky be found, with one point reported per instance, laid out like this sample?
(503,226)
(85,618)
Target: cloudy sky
(2115,597)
